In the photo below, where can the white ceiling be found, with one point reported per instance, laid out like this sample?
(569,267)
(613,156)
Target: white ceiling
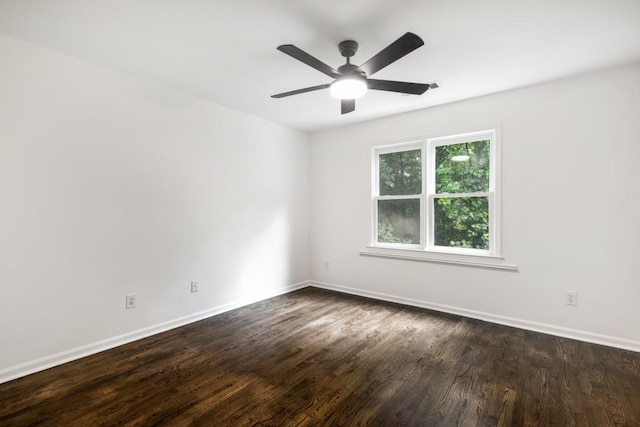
(225,50)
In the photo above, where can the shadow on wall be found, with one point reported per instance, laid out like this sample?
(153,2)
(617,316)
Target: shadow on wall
(263,260)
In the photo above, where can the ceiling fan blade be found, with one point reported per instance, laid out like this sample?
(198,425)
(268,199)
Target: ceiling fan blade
(347,105)
(396,50)
(306,89)
(402,87)
(303,56)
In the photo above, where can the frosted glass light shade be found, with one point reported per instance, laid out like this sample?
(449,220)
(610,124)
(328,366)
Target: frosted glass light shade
(348,88)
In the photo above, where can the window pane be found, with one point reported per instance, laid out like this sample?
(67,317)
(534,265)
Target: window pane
(462,168)
(401,173)
(462,222)
(399,221)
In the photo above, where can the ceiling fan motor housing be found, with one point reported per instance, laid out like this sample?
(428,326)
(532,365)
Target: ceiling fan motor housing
(350,70)
(348,48)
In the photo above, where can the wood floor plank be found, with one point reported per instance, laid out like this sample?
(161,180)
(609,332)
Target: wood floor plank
(315,358)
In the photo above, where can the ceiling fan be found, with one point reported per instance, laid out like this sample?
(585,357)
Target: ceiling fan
(351,81)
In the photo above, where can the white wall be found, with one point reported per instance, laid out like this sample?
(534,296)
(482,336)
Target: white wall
(110,185)
(571,209)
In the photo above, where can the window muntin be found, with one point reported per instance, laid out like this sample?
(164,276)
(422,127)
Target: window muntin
(456,213)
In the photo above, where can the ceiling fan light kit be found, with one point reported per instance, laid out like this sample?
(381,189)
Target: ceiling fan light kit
(348,88)
(352,82)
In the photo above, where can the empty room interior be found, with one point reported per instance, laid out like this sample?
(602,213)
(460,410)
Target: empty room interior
(297,213)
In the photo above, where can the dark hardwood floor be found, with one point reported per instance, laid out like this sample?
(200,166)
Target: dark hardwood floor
(314,357)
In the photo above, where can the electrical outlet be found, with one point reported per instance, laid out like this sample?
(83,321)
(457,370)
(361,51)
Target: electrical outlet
(195,286)
(130,301)
(570,297)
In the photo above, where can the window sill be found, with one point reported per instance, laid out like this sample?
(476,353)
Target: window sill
(483,261)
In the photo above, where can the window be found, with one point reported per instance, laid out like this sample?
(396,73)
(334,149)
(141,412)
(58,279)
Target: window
(398,202)
(438,197)
(460,192)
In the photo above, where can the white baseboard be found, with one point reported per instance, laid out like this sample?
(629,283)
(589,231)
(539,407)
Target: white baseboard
(610,341)
(47,362)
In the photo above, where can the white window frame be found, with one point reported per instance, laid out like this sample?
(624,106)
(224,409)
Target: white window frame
(426,250)
(430,166)
(395,148)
